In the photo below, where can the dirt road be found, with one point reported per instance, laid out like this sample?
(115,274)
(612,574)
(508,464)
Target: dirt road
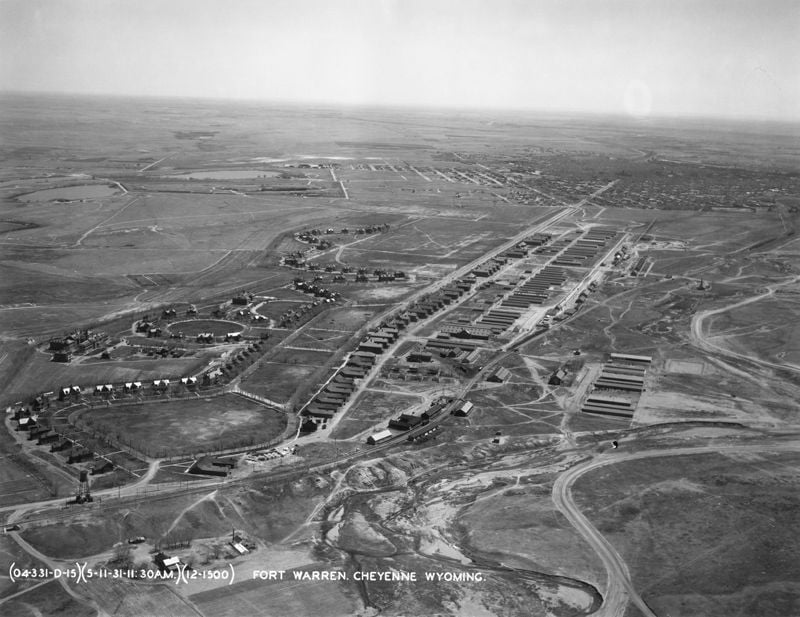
(619,588)
(700,338)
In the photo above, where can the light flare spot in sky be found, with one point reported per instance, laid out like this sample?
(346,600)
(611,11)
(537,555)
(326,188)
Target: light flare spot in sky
(638,100)
(641,58)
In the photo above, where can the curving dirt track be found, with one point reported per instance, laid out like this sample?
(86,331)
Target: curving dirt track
(619,587)
(699,338)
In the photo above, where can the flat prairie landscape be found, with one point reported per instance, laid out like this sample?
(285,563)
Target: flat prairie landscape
(467,277)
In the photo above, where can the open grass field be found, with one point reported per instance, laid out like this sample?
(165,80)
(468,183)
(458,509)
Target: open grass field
(321,338)
(133,599)
(17,485)
(289,598)
(521,523)
(345,319)
(47,599)
(192,425)
(729,546)
(278,381)
(11,553)
(302,356)
(765,329)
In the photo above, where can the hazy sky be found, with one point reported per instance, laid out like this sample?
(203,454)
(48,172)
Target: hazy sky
(702,57)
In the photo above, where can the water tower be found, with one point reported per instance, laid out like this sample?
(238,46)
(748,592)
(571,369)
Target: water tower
(83,495)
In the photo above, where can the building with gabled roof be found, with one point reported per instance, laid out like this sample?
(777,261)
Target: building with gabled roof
(462,408)
(558,377)
(500,375)
(379,437)
(406,421)
(467,332)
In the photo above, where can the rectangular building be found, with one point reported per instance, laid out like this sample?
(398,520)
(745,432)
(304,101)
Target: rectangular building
(379,437)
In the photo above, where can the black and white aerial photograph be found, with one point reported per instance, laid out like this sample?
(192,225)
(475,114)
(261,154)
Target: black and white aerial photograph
(400,308)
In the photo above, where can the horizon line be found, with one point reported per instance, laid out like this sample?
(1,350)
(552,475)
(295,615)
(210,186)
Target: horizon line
(643,119)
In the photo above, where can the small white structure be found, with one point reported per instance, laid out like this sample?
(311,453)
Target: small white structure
(171,563)
(462,408)
(379,437)
(239,547)
(626,357)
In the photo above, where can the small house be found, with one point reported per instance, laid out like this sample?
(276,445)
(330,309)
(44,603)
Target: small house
(557,378)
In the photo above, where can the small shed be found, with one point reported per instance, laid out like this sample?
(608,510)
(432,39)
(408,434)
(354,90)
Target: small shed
(239,548)
(165,563)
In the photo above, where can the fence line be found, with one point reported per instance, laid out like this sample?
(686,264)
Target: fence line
(236,389)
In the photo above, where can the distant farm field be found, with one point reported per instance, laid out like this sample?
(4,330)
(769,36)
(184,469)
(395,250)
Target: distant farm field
(185,426)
